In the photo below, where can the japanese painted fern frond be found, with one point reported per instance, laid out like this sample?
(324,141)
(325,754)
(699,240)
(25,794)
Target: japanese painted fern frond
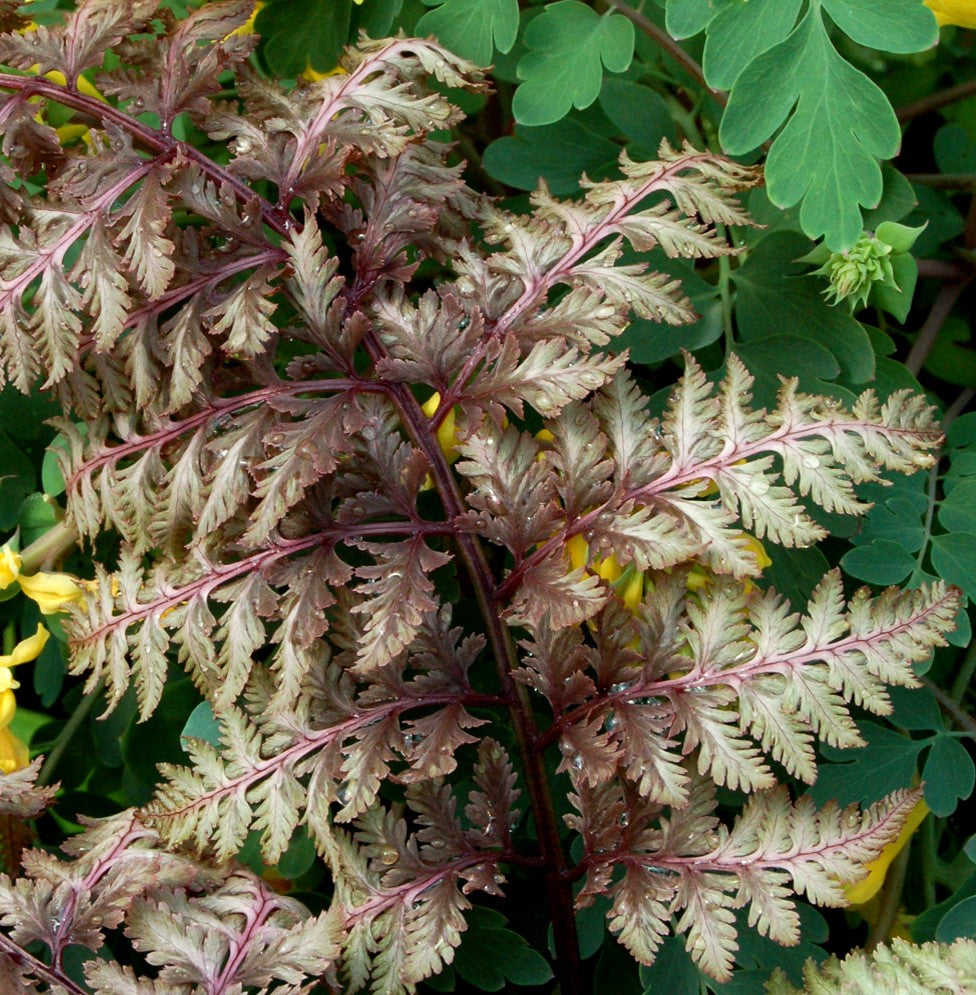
(247,355)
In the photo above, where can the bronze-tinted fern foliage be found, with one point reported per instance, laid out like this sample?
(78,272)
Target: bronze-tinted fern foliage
(242,351)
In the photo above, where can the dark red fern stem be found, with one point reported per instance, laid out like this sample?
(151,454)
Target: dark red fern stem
(558,885)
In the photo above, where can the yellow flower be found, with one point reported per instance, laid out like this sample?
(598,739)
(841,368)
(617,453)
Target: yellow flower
(864,890)
(52,592)
(8,705)
(962,13)
(26,650)
(628,583)
(446,432)
(9,566)
(756,547)
(247,28)
(313,75)
(88,89)
(13,752)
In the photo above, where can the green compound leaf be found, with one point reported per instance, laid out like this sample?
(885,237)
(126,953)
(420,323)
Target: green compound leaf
(949,775)
(772,301)
(957,513)
(886,764)
(741,31)
(958,921)
(879,562)
(473,28)
(954,558)
(838,124)
(491,955)
(639,113)
(687,17)
(568,46)
(673,971)
(17,479)
(915,708)
(891,25)
(301,33)
(558,153)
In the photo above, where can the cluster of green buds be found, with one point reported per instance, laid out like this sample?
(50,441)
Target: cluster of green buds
(52,592)
(878,269)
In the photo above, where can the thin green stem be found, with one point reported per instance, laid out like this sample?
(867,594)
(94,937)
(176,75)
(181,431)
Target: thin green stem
(964,676)
(951,708)
(932,491)
(68,732)
(941,308)
(929,854)
(49,548)
(667,44)
(725,296)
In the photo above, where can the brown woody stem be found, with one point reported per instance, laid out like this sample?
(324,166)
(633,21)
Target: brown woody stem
(936,100)
(661,38)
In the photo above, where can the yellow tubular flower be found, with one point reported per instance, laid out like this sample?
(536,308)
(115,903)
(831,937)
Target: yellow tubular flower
(578,551)
(756,547)
(631,590)
(9,566)
(52,592)
(26,650)
(8,705)
(865,889)
(628,583)
(962,13)
(247,28)
(88,89)
(446,432)
(313,75)
(13,752)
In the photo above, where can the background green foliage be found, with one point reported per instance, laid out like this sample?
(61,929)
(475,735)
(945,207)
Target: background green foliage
(825,93)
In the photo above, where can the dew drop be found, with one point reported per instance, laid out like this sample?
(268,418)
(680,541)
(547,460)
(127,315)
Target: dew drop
(463,324)
(759,485)
(388,856)
(577,762)
(811,461)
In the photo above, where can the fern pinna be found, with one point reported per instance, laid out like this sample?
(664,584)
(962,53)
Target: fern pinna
(386,492)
